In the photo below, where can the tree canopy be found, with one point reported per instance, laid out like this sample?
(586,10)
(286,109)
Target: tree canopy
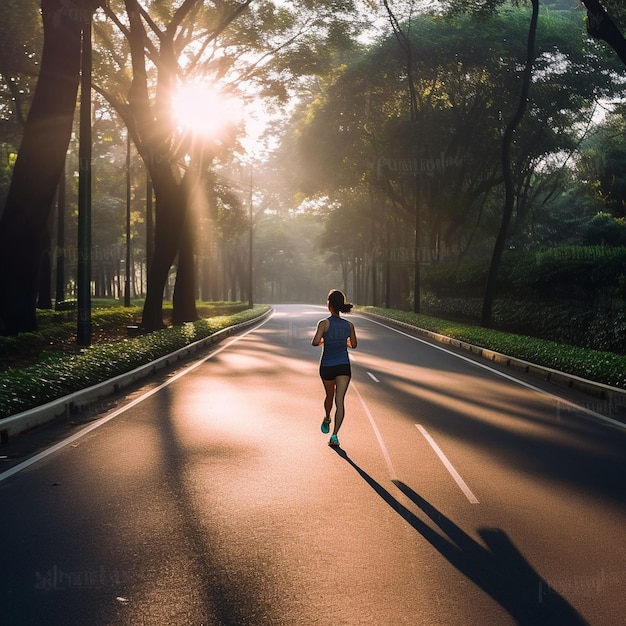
(358,130)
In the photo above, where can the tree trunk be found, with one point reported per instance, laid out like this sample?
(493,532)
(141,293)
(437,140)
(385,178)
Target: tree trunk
(60,241)
(184,298)
(44,296)
(44,289)
(150,128)
(39,164)
(601,26)
(509,200)
(169,219)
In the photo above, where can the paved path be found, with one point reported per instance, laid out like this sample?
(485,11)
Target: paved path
(458,497)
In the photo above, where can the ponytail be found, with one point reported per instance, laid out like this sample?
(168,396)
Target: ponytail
(337,301)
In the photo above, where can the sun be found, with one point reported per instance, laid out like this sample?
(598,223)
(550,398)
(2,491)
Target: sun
(201,108)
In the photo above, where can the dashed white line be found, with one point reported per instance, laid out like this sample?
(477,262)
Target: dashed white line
(459,481)
(373,377)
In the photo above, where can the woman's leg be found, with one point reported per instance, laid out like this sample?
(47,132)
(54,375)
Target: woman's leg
(341,386)
(329,388)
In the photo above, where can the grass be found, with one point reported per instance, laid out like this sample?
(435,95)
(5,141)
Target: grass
(602,367)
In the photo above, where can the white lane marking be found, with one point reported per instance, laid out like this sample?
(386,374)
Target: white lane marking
(381,443)
(61,444)
(459,481)
(568,403)
(373,377)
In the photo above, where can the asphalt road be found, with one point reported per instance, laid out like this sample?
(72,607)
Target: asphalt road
(210,496)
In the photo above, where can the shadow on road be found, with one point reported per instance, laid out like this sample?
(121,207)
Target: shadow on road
(499,569)
(221,596)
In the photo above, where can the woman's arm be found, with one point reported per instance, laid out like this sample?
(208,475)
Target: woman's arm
(352,338)
(318,338)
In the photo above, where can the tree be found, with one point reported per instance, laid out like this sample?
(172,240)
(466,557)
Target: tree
(601,166)
(258,45)
(40,162)
(151,125)
(507,173)
(248,46)
(20,51)
(358,130)
(406,45)
(605,230)
(601,25)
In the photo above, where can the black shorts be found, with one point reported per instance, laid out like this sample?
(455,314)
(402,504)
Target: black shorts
(330,372)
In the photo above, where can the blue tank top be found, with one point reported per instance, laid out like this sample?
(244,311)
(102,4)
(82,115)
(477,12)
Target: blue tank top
(335,348)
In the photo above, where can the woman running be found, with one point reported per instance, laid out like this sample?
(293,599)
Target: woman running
(335,335)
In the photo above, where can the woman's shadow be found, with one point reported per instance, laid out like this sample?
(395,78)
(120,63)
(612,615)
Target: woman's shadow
(498,569)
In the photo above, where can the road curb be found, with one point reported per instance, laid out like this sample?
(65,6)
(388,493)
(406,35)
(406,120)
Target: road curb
(79,400)
(612,398)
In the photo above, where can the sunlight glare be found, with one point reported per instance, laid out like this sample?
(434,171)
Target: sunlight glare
(201,108)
